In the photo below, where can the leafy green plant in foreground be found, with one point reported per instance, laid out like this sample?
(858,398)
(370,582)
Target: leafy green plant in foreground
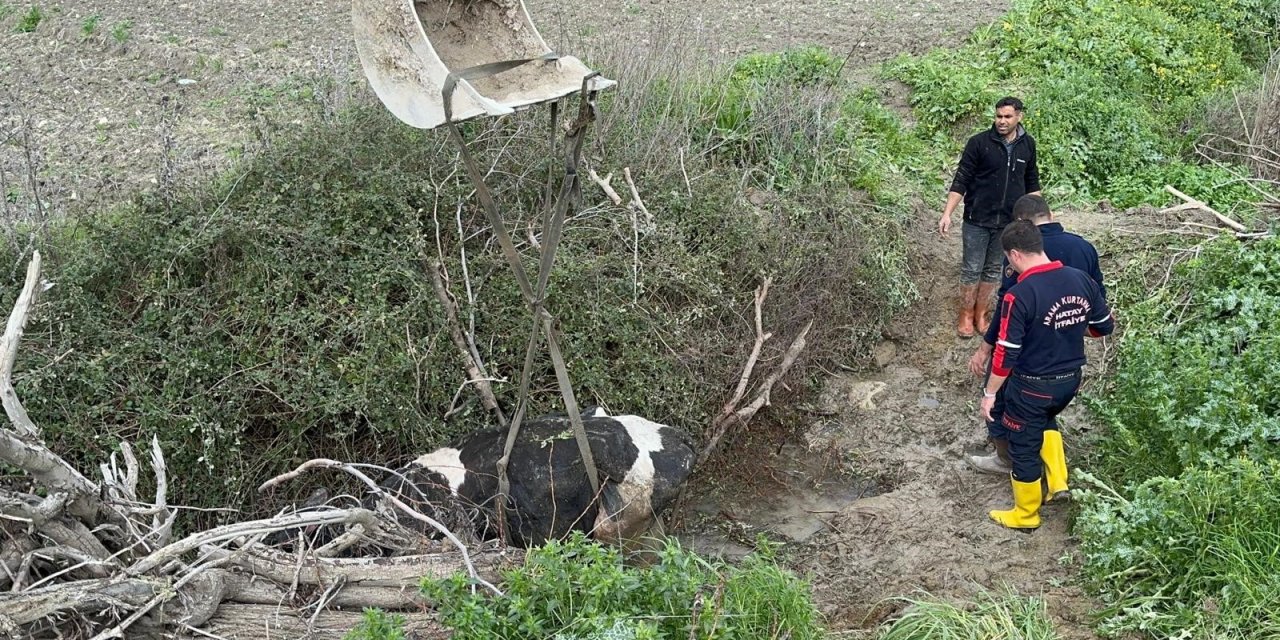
(580,590)
(1198,554)
(378,625)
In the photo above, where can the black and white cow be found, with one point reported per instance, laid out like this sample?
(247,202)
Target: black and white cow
(640,464)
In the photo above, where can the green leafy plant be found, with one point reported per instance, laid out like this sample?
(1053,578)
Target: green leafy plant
(1195,554)
(377,624)
(120,31)
(578,589)
(1114,89)
(90,25)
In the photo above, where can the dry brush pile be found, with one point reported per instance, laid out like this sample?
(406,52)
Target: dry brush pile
(98,558)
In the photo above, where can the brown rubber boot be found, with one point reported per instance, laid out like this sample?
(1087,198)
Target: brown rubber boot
(983,305)
(968,293)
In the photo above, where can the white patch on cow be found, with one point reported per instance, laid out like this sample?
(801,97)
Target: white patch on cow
(446,462)
(636,489)
(596,412)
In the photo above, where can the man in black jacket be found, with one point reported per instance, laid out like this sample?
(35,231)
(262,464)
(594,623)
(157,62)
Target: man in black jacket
(997,167)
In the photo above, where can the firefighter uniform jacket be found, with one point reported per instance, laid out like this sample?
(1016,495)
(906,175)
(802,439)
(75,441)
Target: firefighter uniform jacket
(1043,321)
(1069,249)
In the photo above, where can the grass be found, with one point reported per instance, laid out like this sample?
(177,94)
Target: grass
(1006,616)
(121,31)
(90,25)
(30,20)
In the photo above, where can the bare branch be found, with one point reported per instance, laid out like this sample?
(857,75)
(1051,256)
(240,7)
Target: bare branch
(721,424)
(398,571)
(9,350)
(474,373)
(635,198)
(245,529)
(52,472)
(1221,218)
(322,463)
(762,292)
(605,186)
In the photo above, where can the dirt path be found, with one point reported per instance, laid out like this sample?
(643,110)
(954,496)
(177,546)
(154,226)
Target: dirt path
(877,502)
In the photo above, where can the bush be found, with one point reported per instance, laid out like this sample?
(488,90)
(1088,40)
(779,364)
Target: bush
(581,590)
(284,312)
(1193,556)
(1113,89)
(1007,616)
(1198,376)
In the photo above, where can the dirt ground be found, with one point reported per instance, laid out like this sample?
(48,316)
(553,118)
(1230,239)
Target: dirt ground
(114,96)
(109,97)
(874,500)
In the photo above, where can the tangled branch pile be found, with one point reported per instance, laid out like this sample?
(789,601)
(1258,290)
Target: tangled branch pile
(94,558)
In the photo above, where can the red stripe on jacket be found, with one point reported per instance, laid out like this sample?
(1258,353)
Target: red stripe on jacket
(998,366)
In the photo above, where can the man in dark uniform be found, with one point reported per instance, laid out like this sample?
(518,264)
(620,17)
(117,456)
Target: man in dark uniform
(997,167)
(1039,352)
(1072,251)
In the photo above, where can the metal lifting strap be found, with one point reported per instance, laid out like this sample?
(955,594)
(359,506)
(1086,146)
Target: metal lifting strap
(542,322)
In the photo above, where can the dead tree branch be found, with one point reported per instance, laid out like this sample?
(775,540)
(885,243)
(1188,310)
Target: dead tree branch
(605,186)
(635,198)
(321,463)
(475,372)
(733,414)
(1192,203)
(9,350)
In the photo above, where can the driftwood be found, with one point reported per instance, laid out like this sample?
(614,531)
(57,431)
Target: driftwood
(1191,203)
(93,558)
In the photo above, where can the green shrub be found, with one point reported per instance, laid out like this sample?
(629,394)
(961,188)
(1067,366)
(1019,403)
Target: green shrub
(1007,616)
(1197,378)
(378,625)
(1192,556)
(1115,91)
(581,590)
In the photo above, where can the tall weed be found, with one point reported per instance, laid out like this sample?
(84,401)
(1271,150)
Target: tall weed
(1008,616)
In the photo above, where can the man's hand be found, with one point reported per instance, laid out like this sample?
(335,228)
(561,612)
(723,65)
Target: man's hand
(985,407)
(944,224)
(978,361)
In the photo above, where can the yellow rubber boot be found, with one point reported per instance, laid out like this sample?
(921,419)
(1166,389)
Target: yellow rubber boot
(1055,464)
(1025,513)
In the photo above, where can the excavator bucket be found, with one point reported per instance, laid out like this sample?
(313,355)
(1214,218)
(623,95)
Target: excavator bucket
(409,48)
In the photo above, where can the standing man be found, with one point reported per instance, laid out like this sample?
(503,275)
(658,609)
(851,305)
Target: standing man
(1039,352)
(1072,251)
(997,167)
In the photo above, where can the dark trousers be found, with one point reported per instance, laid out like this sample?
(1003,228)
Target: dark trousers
(981,255)
(1025,407)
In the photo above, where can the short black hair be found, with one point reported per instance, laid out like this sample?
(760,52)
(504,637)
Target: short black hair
(1009,101)
(1031,207)
(1023,236)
